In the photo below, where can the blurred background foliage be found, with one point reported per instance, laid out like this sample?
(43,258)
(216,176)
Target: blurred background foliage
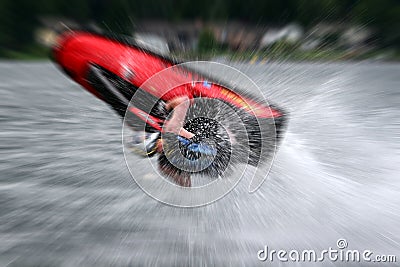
(19,18)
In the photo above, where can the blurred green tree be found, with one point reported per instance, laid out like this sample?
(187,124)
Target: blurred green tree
(17,22)
(206,42)
(19,18)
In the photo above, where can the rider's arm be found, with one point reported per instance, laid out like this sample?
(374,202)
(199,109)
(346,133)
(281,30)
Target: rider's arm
(180,105)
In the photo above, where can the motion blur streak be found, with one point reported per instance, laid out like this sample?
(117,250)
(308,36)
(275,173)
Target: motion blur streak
(67,199)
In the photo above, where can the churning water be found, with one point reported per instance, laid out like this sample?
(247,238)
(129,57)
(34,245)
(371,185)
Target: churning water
(67,198)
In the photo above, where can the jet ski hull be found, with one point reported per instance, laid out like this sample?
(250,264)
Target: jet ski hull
(114,69)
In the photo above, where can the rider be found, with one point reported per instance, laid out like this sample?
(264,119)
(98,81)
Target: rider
(149,143)
(174,125)
(178,101)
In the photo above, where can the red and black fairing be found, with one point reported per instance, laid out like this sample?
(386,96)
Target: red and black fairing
(114,68)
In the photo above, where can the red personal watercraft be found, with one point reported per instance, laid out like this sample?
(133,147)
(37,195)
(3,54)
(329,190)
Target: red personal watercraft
(115,69)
